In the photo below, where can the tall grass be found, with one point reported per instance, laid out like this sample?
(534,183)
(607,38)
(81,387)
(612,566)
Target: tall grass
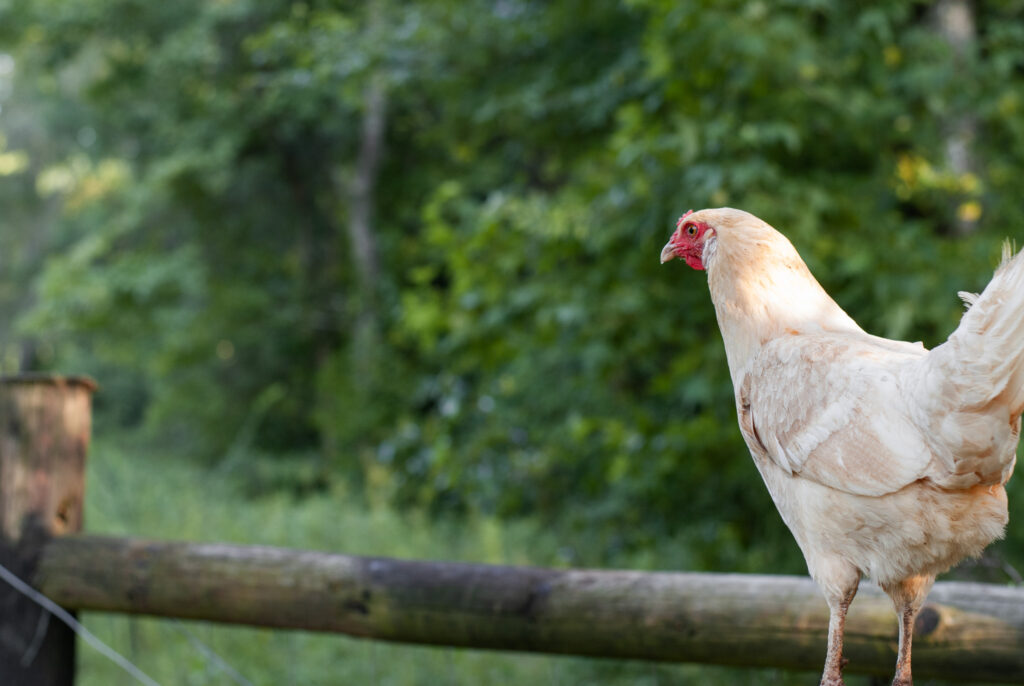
(132,494)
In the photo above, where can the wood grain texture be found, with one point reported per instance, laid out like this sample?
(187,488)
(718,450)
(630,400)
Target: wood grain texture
(966,631)
(44,435)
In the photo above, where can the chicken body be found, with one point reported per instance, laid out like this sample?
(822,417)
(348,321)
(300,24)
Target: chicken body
(883,458)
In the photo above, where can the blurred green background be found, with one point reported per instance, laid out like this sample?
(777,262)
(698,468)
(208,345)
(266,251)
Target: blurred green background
(386,273)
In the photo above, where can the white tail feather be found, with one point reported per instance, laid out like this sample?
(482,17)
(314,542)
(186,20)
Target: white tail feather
(991,332)
(970,389)
(968,298)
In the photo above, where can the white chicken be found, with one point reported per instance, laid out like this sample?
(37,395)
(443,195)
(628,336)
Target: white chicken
(883,458)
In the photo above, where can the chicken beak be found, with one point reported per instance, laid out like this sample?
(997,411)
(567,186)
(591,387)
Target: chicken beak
(668,252)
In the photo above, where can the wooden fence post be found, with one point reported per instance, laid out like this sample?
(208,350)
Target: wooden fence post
(44,435)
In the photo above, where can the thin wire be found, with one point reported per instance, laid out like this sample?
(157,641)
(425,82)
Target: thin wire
(65,616)
(29,656)
(211,656)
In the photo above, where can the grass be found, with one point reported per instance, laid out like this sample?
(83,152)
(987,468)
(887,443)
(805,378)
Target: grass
(129,494)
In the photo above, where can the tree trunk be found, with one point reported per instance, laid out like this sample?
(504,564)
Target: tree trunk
(966,631)
(361,193)
(362,239)
(362,189)
(954,21)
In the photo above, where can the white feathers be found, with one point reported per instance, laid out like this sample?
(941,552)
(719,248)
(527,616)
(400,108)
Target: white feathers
(969,392)
(829,408)
(877,453)
(1009,248)
(968,298)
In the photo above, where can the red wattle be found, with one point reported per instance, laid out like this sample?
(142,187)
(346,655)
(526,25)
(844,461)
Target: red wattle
(694,262)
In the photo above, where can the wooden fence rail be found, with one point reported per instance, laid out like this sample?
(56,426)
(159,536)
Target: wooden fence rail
(965,632)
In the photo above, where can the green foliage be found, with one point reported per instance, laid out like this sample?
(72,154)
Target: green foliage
(123,487)
(188,175)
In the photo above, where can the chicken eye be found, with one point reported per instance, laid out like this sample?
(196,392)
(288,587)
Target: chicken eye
(691,230)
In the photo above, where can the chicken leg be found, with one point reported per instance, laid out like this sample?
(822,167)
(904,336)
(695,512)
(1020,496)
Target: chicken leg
(907,596)
(838,604)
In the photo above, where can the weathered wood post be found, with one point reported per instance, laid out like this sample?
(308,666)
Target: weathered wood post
(44,434)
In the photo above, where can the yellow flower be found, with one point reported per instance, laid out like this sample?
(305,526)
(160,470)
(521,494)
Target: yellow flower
(969,211)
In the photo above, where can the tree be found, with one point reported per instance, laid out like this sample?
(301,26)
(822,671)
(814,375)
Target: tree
(417,241)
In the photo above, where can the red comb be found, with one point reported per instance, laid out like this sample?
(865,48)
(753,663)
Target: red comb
(681,219)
